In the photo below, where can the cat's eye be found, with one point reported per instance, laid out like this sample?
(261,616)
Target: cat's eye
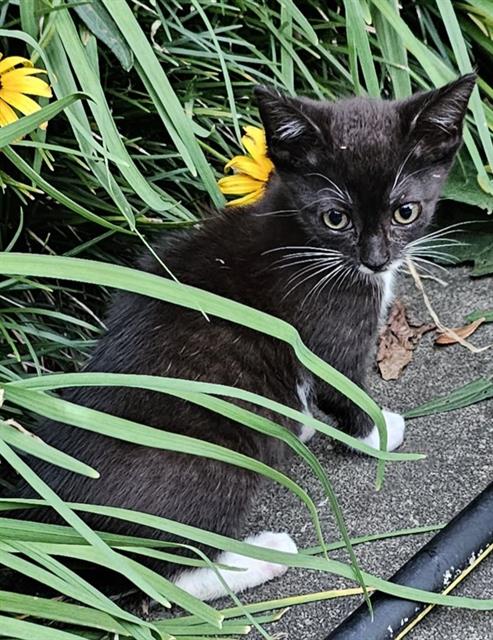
(337,220)
(407,213)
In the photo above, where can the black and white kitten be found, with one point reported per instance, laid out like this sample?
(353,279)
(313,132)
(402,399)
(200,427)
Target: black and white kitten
(355,183)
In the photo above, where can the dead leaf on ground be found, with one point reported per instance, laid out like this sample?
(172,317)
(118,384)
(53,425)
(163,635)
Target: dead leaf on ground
(462,332)
(398,339)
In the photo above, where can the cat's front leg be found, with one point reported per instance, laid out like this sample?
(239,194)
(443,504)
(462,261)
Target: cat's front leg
(357,423)
(395,432)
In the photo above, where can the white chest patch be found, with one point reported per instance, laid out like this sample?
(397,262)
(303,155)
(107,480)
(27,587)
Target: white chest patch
(304,391)
(387,286)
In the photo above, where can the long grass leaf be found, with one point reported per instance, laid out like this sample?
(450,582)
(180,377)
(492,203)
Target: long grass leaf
(48,609)
(459,48)
(150,66)
(28,631)
(203,301)
(25,125)
(394,53)
(34,446)
(115,560)
(178,385)
(359,46)
(270,555)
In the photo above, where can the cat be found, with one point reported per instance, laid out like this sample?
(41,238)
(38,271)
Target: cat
(355,184)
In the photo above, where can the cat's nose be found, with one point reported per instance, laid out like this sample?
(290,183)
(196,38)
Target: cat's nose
(376,263)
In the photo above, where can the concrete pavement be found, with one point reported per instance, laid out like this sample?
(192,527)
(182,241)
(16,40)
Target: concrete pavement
(459,463)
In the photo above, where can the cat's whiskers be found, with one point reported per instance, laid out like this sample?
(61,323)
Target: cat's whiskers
(290,258)
(433,253)
(408,176)
(432,246)
(318,286)
(419,259)
(304,247)
(441,233)
(313,265)
(422,270)
(440,244)
(289,262)
(339,280)
(397,179)
(332,266)
(308,273)
(343,192)
(282,213)
(334,196)
(309,263)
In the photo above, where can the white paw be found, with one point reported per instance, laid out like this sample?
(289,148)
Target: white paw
(271,540)
(306,433)
(395,432)
(203,583)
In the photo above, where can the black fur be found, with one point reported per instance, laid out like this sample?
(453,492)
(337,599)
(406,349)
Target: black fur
(359,156)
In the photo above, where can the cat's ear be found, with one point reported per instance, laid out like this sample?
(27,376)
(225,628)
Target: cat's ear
(433,120)
(292,134)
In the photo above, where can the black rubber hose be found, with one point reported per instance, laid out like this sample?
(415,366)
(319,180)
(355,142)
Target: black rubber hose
(432,568)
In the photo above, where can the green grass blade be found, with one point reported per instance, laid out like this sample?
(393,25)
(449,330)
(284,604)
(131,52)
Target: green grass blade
(68,585)
(459,48)
(359,47)
(149,65)
(102,25)
(206,302)
(470,393)
(122,429)
(179,385)
(90,82)
(270,555)
(40,182)
(57,63)
(394,52)
(287,62)
(28,631)
(116,561)
(48,609)
(224,68)
(26,124)
(302,22)
(28,443)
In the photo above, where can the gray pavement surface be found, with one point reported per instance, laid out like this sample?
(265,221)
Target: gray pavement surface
(459,464)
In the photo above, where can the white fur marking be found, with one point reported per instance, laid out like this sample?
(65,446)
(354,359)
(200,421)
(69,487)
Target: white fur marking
(395,432)
(304,390)
(387,291)
(385,280)
(204,584)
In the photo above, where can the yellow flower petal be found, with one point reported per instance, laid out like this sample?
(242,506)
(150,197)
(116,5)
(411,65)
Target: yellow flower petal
(24,71)
(12,61)
(7,114)
(24,104)
(238,185)
(249,167)
(254,142)
(31,86)
(250,198)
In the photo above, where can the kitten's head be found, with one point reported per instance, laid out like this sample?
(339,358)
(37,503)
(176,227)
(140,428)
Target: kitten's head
(365,174)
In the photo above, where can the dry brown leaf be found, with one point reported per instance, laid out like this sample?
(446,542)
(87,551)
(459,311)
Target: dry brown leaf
(398,339)
(450,337)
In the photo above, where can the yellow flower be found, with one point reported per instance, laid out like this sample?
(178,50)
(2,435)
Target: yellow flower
(15,82)
(252,172)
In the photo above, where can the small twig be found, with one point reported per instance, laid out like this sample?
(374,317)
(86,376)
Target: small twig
(440,326)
